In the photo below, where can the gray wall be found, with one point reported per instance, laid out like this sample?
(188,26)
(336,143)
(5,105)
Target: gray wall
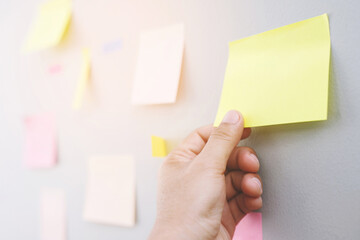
(310,170)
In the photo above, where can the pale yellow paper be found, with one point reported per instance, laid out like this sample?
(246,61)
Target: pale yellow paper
(84,79)
(158,146)
(110,191)
(280,76)
(49,25)
(159,65)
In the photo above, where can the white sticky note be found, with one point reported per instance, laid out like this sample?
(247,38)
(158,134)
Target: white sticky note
(53,215)
(110,191)
(159,65)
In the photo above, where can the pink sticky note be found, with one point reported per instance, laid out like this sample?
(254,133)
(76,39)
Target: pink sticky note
(52,215)
(55,69)
(249,228)
(40,141)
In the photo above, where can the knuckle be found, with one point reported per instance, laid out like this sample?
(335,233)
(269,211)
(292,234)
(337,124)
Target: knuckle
(222,134)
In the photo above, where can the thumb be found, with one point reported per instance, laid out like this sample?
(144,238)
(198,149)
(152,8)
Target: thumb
(222,141)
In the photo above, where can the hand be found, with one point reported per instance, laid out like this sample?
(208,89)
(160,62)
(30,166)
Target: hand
(208,184)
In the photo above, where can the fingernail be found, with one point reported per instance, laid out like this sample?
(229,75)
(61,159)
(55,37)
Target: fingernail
(254,159)
(257,182)
(231,117)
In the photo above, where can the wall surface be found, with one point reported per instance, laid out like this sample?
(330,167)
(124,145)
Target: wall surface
(310,170)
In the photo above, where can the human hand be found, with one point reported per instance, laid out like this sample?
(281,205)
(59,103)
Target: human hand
(208,184)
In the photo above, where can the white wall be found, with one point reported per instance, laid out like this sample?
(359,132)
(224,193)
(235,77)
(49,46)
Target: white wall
(310,170)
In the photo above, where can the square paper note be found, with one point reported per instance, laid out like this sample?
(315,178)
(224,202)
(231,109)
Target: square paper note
(110,192)
(280,76)
(53,215)
(159,65)
(40,141)
(50,25)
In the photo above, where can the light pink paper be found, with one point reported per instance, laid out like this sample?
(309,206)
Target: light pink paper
(53,215)
(55,69)
(249,228)
(40,141)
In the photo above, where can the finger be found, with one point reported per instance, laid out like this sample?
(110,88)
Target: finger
(241,204)
(233,182)
(251,185)
(222,141)
(246,133)
(245,159)
(196,141)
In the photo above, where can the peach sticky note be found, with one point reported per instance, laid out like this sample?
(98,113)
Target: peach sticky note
(110,191)
(84,79)
(159,65)
(51,22)
(158,145)
(249,228)
(52,215)
(40,141)
(280,76)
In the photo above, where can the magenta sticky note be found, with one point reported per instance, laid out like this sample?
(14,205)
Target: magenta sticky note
(40,141)
(249,228)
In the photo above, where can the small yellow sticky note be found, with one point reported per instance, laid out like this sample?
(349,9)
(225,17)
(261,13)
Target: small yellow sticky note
(158,147)
(280,76)
(49,26)
(83,80)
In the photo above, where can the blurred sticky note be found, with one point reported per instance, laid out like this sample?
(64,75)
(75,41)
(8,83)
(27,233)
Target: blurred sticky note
(110,191)
(84,79)
(54,69)
(49,26)
(53,215)
(158,68)
(158,146)
(280,76)
(112,46)
(40,141)
(249,228)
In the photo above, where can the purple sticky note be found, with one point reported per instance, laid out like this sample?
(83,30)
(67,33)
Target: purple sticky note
(249,228)
(40,141)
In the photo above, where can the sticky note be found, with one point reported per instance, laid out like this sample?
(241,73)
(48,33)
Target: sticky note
(158,65)
(52,215)
(112,46)
(250,227)
(158,146)
(84,79)
(280,76)
(54,69)
(49,26)
(40,141)
(110,191)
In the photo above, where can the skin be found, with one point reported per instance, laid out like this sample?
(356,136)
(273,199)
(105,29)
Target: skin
(208,184)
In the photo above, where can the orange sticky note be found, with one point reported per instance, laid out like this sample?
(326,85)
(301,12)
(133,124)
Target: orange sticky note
(159,65)
(110,191)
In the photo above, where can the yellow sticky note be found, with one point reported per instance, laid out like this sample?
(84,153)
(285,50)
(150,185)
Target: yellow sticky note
(280,76)
(49,26)
(83,80)
(158,147)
